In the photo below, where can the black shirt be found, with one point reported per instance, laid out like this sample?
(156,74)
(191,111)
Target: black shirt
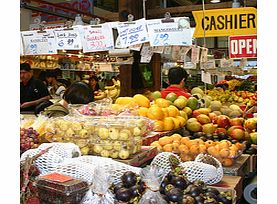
(35,89)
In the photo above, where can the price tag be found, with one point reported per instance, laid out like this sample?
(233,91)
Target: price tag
(136,47)
(210,64)
(21,46)
(97,38)
(204,55)
(167,50)
(35,43)
(226,63)
(132,33)
(206,77)
(195,52)
(146,53)
(158,49)
(68,39)
(162,34)
(183,52)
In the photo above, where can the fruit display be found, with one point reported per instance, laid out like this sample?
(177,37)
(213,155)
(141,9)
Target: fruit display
(29,138)
(112,92)
(115,137)
(130,189)
(225,151)
(175,188)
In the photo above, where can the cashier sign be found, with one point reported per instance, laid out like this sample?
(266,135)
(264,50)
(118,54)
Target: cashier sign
(226,22)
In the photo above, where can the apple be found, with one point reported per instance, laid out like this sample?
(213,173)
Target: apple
(253,137)
(236,121)
(156,94)
(180,103)
(234,127)
(237,134)
(194,126)
(213,117)
(113,133)
(223,121)
(171,96)
(220,130)
(195,113)
(251,124)
(208,128)
(203,119)
(103,133)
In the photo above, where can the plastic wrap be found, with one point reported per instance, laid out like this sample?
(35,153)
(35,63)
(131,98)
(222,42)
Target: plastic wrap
(65,150)
(152,176)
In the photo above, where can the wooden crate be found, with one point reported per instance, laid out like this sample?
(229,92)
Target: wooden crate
(233,184)
(253,163)
(147,153)
(241,167)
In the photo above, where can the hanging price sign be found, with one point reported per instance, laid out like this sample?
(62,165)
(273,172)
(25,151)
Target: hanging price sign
(97,38)
(132,33)
(39,43)
(68,39)
(169,33)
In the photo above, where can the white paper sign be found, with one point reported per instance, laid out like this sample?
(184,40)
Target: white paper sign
(97,38)
(210,64)
(195,53)
(206,77)
(175,52)
(132,33)
(136,47)
(68,39)
(226,63)
(39,43)
(183,52)
(167,50)
(146,53)
(158,49)
(171,33)
(21,46)
(204,55)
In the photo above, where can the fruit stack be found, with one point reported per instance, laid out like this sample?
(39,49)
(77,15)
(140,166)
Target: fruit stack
(28,139)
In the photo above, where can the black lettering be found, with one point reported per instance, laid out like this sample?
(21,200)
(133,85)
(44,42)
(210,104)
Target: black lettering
(205,23)
(220,22)
(212,23)
(241,20)
(251,18)
(228,22)
(236,22)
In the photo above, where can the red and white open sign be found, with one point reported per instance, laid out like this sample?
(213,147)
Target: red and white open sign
(243,46)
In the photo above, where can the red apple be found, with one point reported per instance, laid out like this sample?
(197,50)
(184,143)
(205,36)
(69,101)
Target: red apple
(220,130)
(213,117)
(223,121)
(234,127)
(237,134)
(251,124)
(236,121)
(195,113)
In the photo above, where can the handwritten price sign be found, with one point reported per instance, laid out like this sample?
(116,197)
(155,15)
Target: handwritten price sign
(163,34)
(132,33)
(68,39)
(35,43)
(98,38)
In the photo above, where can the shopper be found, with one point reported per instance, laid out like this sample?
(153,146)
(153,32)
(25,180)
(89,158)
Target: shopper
(32,91)
(177,77)
(77,93)
(93,83)
(55,87)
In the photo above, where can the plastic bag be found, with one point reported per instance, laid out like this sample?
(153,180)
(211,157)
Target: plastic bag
(152,176)
(99,192)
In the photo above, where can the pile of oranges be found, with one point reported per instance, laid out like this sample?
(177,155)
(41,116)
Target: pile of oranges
(188,148)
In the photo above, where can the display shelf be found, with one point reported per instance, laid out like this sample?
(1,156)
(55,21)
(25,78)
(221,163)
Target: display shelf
(241,166)
(147,153)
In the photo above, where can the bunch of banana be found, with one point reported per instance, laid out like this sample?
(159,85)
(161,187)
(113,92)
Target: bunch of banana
(233,83)
(114,90)
(99,95)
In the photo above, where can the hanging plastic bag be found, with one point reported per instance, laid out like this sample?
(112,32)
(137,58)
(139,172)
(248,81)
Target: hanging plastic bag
(152,176)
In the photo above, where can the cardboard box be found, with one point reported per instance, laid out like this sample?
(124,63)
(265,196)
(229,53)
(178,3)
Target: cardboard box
(147,153)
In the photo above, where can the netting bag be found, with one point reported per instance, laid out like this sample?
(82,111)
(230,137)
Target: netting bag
(65,150)
(99,192)
(166,161)
(152,176)
(208,159)
(80,170)
(90,159)
(46,162)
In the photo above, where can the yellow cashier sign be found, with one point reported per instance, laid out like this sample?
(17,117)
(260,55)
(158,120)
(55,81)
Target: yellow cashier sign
(225,22)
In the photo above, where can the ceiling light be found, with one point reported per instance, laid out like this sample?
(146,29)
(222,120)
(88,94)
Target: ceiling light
(215,1)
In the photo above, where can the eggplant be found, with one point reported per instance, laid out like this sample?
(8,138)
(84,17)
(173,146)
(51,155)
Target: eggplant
(174,195)
(123,194)
(129,179)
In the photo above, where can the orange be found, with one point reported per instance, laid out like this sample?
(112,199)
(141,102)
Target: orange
(209,143)
(142,100)
(213,151)
(224,153)
(162,103)
(194,149)
(183,149)
(177,123)
(155,113)
(176,137)
(165,140)
(227,162)
(202,148)
(185,157)
(173,111)
(175,146)
(158,126)
(156,144)
(181,120)
(239,145)
(168,124)
(168,148)
(142,111)
(184,140)
(165,111)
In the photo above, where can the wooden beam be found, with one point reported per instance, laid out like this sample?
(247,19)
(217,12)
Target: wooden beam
(112,16)
(154,13)
(183,2)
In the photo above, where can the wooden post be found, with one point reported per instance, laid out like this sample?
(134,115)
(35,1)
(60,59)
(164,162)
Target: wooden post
(156,67)
(125,80)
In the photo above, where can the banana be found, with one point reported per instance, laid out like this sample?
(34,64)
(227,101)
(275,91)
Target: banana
(113,93)
(100,96)
(110,87)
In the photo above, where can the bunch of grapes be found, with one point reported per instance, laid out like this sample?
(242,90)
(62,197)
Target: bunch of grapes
(131,188)
(28,139)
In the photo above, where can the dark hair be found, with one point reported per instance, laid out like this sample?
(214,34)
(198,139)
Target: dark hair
(25,66)
(176,75)
(94,77)
(78,93)
(51,73)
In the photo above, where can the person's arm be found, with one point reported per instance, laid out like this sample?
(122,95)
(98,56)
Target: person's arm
(34,103)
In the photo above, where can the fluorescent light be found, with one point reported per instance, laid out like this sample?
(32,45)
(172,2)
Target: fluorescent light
(215,1)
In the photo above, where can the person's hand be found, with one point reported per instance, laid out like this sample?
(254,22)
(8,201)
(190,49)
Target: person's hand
(26,105)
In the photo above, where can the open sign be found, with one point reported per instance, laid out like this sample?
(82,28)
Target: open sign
(243,46)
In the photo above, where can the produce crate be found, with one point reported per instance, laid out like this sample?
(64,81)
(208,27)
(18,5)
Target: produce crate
(253,163)
(147,153)
(241,166)
(233,184)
